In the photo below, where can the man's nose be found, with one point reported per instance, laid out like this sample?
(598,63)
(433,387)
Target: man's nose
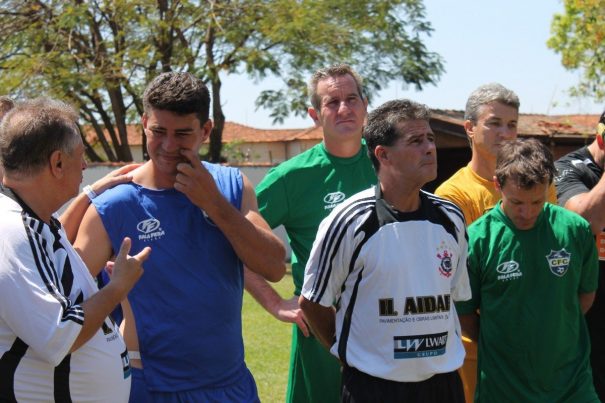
(508,133)
(344,107)
(431,147)
(170,143)
(526,212)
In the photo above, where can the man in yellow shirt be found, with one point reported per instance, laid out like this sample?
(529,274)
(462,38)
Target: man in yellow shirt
(490,119)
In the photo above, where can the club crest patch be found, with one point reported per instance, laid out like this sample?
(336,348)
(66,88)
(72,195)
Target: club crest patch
(558,261)
(445,266)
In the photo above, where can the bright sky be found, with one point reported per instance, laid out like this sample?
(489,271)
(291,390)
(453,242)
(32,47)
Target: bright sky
(480,41)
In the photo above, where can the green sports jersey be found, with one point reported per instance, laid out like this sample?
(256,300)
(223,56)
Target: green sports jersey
(299,193)
(533,340)
(302,191)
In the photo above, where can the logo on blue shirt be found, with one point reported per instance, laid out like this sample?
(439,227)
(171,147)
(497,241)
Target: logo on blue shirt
(150,230)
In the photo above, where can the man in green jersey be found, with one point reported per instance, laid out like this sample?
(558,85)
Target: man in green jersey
(298,194)
(533,273)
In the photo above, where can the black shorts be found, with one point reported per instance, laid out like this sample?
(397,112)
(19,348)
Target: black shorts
(359,387)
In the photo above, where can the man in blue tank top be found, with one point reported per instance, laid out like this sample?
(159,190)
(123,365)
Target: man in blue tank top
(182,324)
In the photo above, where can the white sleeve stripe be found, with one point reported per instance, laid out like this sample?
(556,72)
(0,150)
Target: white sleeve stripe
(331,242)
(46,271)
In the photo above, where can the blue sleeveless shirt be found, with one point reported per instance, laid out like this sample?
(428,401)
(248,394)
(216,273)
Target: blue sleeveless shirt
(187,305)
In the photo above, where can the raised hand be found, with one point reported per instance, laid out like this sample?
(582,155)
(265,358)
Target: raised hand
(195,181)
(128,269)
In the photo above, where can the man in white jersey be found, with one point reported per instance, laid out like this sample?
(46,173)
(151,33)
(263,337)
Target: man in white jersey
(57,342)
(384,269)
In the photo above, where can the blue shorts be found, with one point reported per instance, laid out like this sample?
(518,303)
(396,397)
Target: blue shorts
(241,390)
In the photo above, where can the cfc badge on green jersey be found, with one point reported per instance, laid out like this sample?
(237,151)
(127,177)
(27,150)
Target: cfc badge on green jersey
(558,261)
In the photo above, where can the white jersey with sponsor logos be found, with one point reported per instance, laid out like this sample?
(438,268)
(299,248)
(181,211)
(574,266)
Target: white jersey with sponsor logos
(393,277)
(43,282)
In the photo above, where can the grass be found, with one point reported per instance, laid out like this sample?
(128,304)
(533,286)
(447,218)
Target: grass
(267,344)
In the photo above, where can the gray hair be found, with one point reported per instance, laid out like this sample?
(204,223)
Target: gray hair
(33,130)
(488,93)
(337,70)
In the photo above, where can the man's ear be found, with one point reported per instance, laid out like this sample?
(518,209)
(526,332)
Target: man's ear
(144,119)
(381,154)
(56,163)
(601,135)
(469,128)
(314,115)
(207,129)
(497,184)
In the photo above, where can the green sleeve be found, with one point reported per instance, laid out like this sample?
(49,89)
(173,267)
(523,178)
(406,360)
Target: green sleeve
(272,198)
(474,277)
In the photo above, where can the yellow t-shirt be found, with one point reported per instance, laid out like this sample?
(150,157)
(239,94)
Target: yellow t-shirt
(475,195)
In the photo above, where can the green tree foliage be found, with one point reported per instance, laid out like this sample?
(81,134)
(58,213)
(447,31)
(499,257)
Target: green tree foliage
(579,36)
(99,54)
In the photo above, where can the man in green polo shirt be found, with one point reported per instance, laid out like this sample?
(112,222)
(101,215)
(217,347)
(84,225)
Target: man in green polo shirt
(298,194)
(533,274)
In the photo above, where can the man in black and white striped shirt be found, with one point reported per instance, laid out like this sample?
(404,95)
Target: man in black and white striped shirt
(385,268)
(57,342)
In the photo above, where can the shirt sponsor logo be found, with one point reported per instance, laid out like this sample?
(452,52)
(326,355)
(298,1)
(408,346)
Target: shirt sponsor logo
(333,199)
(415,309)
(416,305)
(386,307)
(150,230)
(558,261)
(419,346)
(427,304)
(508,271)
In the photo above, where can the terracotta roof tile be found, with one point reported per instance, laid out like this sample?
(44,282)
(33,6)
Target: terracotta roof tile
(231,132)
(529,124)
(536,124)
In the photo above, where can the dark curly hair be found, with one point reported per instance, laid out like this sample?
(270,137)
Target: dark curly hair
(181,93)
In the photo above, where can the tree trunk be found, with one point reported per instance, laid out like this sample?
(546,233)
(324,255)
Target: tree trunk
(216,136)
(118,108)
(90,152)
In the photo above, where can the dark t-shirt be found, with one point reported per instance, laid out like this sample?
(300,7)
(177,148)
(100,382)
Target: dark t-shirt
(578,173)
